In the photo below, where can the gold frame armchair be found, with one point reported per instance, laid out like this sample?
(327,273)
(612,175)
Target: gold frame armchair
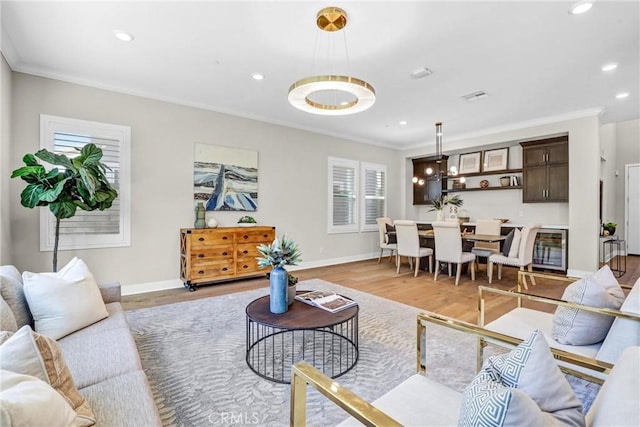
(595,373)
(303,375)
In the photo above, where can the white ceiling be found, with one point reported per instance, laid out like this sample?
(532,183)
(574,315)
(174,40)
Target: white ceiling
(534,59)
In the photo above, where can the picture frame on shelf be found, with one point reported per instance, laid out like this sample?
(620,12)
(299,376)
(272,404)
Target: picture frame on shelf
(495,160)
(469,163)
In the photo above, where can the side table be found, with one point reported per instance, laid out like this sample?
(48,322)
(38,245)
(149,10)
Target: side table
(618,263)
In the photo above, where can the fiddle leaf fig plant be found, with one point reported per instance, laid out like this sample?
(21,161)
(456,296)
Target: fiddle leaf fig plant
(79,182)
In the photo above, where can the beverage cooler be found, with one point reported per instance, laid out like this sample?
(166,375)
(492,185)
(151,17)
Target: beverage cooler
(550,250)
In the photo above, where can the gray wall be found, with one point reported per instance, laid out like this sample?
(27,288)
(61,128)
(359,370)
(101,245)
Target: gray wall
(5,171)
(292,179)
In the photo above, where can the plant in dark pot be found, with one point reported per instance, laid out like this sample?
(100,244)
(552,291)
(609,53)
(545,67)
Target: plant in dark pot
(80,182)
(610,228)
(281,252)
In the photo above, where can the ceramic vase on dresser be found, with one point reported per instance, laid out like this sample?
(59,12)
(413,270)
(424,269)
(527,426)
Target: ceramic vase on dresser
(278,289)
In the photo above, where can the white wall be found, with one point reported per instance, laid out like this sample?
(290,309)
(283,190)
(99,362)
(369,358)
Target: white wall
(580,214)
(608,168)
(5,170)
(292,179)
(627,153)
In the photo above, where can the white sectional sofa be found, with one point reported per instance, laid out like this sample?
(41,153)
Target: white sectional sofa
(103,358)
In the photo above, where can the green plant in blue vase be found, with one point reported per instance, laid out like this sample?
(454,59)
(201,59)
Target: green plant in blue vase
(277,255)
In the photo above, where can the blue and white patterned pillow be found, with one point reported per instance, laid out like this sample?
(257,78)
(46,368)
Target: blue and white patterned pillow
(523,387)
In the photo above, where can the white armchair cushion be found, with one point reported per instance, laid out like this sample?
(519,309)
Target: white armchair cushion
(579,327)
(523,387)
(617,402)
(624,332)
(63,302)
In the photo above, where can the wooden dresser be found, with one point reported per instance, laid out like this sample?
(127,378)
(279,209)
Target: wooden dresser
(213,254)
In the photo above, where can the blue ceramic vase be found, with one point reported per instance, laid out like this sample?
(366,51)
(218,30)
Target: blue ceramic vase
(278,281)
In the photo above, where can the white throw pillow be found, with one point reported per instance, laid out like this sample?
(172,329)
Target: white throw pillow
(515,244)
(28,401)
(523,387)
(63,302)
(578,327)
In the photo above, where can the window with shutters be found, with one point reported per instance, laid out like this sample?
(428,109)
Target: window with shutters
(93,229)
(374,195)
(357,195)
(343,193)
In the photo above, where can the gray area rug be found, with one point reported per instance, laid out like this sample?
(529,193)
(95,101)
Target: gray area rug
(194,356)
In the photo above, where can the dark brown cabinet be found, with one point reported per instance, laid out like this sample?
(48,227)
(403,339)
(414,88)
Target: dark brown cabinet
(545,170)
(431,176)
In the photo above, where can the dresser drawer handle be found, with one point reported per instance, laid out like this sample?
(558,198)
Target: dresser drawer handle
(224,269)
(265,236)
(245,252)
(225,238)
(224,253)
(201,272)
(201,239)
(200,255)
(245,266)
(245,237)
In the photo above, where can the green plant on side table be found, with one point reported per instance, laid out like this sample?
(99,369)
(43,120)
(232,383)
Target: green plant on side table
(79,183)
(609,228)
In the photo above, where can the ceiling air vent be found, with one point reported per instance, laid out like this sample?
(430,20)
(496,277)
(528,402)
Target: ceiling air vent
(473,96)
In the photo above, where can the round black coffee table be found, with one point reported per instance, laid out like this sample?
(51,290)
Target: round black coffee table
(328,341)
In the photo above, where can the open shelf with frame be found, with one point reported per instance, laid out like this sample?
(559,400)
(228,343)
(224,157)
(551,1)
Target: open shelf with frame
(490,173)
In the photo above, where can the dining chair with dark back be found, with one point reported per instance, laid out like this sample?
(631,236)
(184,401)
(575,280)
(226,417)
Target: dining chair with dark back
(409,245)
(486,249)
(384,241)
(522,258)
(449,249)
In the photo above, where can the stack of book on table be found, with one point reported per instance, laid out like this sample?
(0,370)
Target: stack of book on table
(326,300)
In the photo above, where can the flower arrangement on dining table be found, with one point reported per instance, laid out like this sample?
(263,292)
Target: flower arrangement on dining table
(439,202)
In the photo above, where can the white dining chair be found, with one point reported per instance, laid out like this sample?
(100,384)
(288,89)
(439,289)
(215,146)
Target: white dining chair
(486,249)
(409,245)
(384,238)
(523,258)
(449,249)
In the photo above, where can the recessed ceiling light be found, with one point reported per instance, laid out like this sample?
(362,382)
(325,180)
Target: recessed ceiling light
(257,76)
(123,35)
(422,72)
(402,122)
(622,95)
(580,7)
(609,67)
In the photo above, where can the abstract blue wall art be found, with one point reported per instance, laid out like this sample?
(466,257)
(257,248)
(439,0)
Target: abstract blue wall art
(225,178)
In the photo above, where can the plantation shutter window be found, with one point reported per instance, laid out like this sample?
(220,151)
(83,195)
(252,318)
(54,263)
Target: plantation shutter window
(374,195)
(90,229)
(343,193)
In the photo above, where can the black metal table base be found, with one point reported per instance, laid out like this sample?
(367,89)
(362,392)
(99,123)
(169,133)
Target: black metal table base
(271,351)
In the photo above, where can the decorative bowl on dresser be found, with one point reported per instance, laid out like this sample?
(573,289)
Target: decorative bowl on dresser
(210,255)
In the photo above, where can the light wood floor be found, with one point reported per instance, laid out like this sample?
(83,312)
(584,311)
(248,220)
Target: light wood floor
(381,279)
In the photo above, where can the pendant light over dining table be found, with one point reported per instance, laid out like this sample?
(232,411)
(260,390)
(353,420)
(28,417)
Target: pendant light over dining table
(438,160)
(332,94)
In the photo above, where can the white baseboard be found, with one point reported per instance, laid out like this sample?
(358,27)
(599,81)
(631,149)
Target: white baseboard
(141,288)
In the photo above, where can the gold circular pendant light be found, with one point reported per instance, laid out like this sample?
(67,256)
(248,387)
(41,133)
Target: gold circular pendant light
(307,94)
